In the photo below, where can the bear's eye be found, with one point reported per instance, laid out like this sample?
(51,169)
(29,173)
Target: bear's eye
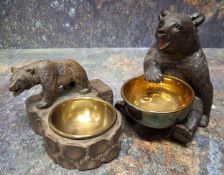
(177,26)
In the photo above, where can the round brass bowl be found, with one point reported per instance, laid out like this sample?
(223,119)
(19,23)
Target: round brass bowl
(157,105)
(82,118)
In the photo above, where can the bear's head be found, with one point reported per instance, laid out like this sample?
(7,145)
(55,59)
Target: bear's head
(21,79)
(178,32)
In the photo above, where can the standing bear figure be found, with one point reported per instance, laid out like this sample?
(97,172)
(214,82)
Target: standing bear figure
(177,52)
(51,75)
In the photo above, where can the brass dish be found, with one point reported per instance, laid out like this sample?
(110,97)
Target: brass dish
(82,118)
(157,105)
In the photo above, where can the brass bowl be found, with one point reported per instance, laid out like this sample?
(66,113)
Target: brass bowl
(157,105)
(82,118)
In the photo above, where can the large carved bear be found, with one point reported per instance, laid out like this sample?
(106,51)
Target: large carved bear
(51,75)
(177,51)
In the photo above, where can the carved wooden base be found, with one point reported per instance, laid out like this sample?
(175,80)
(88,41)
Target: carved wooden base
(99,89)
(83,154)
(69,153)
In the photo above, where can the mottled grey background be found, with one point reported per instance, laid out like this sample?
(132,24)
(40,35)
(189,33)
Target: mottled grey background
(98,23)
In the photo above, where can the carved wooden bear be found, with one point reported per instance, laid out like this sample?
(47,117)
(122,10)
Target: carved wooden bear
(51,75)
(177,51)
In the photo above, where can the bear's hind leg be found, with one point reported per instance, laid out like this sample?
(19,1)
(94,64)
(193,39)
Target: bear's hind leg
(195,115)
(86,88)
(69,86)
(185,131)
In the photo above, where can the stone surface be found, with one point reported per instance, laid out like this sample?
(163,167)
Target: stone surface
(98,23)
(148,152)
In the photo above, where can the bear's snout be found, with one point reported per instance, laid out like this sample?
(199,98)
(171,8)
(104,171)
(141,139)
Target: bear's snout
(11,87)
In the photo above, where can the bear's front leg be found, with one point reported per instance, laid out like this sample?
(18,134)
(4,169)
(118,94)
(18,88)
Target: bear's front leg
(152,70)
(48,95)
(184,132)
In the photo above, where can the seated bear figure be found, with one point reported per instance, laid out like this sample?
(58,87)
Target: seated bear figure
(177,52)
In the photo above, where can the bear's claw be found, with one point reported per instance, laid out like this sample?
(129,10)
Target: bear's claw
(154,76)
(204,121)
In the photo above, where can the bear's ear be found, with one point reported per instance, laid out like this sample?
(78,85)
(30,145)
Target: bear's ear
(163,13)
(13,68)
(30,70)
(198,18)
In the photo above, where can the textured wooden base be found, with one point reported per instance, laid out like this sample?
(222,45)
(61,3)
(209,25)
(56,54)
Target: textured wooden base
(99,89)
(69,153)
(83,154)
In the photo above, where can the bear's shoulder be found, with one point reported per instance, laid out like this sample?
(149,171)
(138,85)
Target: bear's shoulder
(42,64)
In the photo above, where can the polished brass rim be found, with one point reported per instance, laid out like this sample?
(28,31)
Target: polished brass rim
(81,137)
(163,112)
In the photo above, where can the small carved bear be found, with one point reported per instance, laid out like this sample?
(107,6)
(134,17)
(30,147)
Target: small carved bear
(177,51)
(51,75)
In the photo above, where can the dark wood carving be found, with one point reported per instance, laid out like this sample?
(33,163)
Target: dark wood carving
(70,153)
(51,75)
(177,51)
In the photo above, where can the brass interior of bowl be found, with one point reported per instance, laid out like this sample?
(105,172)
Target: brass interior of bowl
(82,118)
(170,95)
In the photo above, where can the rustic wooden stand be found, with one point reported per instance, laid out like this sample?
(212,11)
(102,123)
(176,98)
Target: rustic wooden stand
(81,154)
